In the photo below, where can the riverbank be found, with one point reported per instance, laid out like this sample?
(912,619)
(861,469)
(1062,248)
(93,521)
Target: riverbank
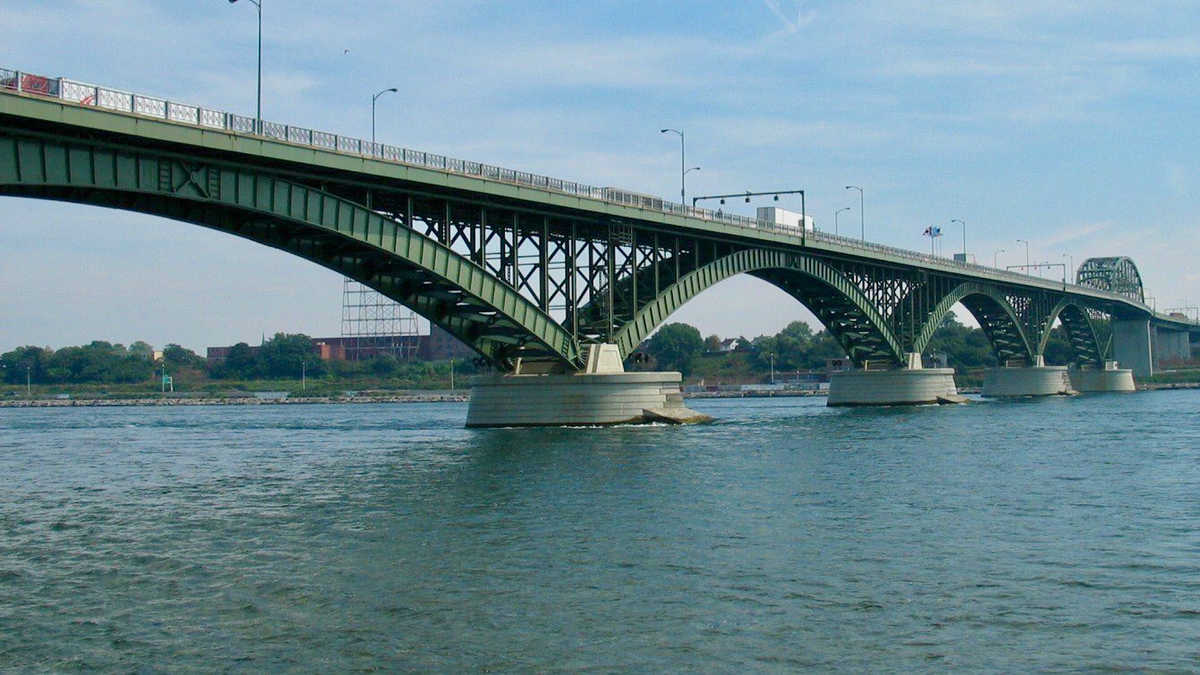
(455,397)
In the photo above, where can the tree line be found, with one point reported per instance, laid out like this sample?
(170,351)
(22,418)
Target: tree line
(283,356)
(678,346)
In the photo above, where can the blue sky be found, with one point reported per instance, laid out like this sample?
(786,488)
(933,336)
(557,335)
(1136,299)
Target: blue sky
(1070,125)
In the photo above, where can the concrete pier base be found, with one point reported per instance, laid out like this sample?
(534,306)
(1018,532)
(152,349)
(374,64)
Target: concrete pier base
(602,394)
(903,386)
(1111,378)
(1036,380)
(568,400)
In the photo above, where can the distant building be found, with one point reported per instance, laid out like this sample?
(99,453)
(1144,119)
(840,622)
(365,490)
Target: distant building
(728,345)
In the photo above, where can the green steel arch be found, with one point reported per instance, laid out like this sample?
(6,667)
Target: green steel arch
(994,313)
(1081,333)
(1116,274)
(428,277)
(837,302)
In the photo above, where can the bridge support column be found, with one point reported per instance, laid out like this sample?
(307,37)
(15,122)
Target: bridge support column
(912,385)
(1133,346)
(1171,346)
(602,394)
(1036,380)
(1111,378)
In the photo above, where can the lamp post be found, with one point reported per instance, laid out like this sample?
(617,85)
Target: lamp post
(964,228)
(995,257)
(258,113)
(682,163)
(835,218)
(1022,241)
(862,218)
(303,367)
(373,99)
(28,388)
(771,356)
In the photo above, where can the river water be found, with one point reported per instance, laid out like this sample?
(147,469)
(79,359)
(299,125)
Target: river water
(1045,534)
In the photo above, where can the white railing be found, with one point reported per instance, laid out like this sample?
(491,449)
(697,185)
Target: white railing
(126,102)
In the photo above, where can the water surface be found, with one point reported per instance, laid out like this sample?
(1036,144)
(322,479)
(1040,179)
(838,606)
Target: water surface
(1047,534)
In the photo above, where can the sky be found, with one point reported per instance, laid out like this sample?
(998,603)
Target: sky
(1071,125)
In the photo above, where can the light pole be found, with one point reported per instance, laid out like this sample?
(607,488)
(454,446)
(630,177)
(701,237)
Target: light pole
(682,163)
(1022,241)
(964,226)
(28,388)
(771,356)
(835,218)
(303,382)
(373,99)
(995,257)
(258,114)
(1070,258)
(862,218)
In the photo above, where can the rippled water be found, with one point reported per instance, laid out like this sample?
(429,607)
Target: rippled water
(1059,533)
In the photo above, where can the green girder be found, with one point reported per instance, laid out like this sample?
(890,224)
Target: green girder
(1081,333)
(1003,328)
(848,314)
(431,279)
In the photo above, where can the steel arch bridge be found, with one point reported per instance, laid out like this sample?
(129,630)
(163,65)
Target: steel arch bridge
(1118,275)
(526,270)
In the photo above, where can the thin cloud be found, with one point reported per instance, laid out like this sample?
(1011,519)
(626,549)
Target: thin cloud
(790,25)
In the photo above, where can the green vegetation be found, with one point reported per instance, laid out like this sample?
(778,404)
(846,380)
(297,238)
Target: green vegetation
(113,370)
(797,348)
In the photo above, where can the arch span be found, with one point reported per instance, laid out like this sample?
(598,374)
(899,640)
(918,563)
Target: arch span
(835,300)
(995,315)
(434,281)
(1117,274)
(1081,333)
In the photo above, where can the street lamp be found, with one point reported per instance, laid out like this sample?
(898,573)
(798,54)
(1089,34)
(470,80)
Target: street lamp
(682,163)
(303,383)
(771,356)
(258,114)
(862,222)
(373,99)
(964,226)
(995,256)
(835,218)
(1022,241)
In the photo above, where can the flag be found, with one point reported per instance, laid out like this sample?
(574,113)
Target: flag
(932,231)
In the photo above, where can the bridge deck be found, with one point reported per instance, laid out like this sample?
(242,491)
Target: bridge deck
(188,128)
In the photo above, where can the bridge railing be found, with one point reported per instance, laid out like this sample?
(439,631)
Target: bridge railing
(82,93)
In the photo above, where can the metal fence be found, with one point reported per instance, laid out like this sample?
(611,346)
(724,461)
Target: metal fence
(122,101)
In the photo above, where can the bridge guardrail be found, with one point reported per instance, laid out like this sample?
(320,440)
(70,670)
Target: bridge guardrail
(82,93)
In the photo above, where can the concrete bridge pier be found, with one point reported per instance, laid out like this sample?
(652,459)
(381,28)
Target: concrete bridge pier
(1110,378)
(1133,345)
(1036,380)
(1171,346)
(602,394)
(911,385)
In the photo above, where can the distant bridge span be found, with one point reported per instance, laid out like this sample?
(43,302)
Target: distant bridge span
(525,267)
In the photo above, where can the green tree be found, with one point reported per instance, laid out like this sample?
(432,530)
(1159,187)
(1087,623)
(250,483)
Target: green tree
(282,355)
(675,346)
(712,344)
(240,362)
(177,357)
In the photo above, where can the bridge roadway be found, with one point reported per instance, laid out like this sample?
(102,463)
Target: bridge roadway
(528,270)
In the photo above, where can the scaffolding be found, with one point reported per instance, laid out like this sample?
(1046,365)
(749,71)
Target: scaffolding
(374,324)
